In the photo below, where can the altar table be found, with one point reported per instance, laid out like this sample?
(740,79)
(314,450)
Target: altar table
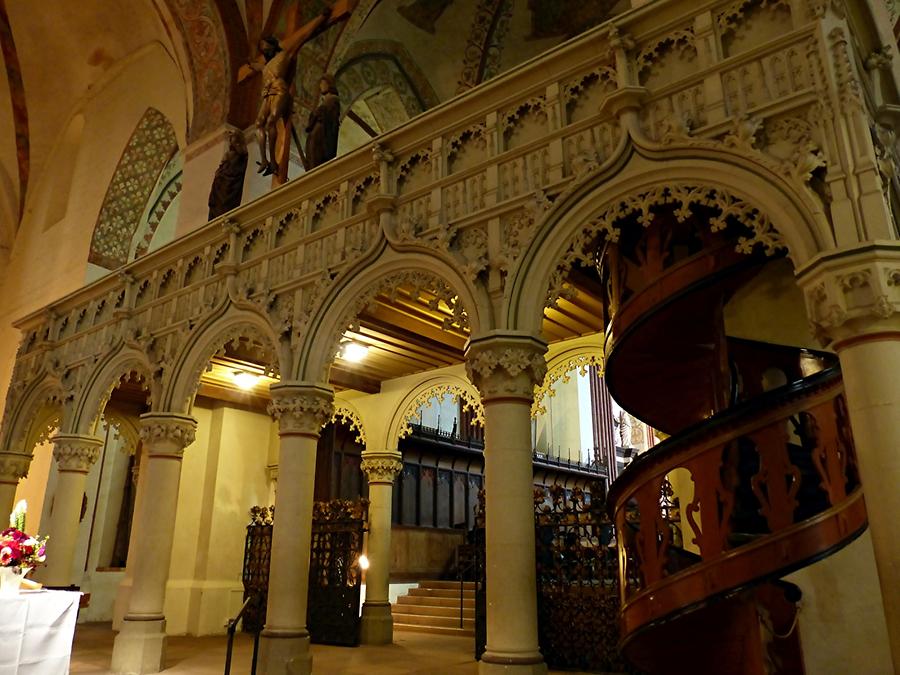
(36,631)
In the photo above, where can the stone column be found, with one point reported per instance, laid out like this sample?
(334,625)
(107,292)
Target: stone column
(123,593)
(140,647)
(300,409)
(75,455)
(853,301)
(505,367)
(13,467)
(381,468)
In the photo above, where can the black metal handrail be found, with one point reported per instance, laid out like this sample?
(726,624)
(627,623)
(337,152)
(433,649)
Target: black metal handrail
(596,468)
(466,561)
(231,626)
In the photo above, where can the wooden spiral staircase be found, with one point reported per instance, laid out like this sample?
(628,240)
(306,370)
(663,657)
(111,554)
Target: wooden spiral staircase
(757,478)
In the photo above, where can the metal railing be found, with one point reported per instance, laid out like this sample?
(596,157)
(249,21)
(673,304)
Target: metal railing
(231,626)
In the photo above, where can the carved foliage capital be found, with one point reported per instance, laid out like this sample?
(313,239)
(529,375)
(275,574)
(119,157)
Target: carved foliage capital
(852,296)
(13,466)
(167,434)
(506,366)
(76,453)
(381,467)
(301,409)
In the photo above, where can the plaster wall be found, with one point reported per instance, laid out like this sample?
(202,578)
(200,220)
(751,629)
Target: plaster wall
(842,625)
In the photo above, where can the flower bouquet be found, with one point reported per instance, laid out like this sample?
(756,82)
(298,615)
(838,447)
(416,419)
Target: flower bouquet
(19,552)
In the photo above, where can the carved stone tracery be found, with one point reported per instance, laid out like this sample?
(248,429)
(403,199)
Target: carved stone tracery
(470,403)
(562,373)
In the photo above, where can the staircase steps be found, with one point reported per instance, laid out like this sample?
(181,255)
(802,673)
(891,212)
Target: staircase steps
(433,607)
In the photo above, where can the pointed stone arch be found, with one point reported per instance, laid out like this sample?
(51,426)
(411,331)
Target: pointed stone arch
(182,381)
(101,383)
(780,216)
(578,356)
(40,411)
(457,387)
(347,413)
(466,306)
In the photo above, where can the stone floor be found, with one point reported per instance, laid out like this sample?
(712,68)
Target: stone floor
(410,653)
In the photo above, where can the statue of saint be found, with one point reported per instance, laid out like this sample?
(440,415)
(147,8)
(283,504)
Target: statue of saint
(228,183)
(323,125)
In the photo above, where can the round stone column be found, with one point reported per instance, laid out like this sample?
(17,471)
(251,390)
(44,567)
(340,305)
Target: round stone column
(74,455)
(505,368)
(140,647)
(853,300)
(13,467)
(381,468)
(300,409)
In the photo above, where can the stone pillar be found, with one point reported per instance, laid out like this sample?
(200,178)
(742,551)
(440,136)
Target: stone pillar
(123,593)
(300,409)
(13,467)
(381,468)
(75,455)
(140,647)
(505,367)
(853,300)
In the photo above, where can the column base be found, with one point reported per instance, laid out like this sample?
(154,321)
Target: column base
(283,652)
(139,648)
(377,625)
(500,663)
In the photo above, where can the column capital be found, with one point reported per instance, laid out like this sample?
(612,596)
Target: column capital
(167,433)
(13,466)
(853,294)
(506,365)
(301,407)
(76,452)
(381,466)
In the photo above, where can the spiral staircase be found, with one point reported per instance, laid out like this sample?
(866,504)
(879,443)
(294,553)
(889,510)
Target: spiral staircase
(757,477)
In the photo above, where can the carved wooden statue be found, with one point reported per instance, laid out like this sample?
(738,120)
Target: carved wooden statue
(323,125)
(228,183)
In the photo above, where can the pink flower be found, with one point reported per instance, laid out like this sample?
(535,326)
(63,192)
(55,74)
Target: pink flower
(6,555)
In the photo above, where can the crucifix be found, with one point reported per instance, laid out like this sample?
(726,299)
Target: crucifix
(276,63)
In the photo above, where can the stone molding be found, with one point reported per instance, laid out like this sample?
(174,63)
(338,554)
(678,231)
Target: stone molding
(13,466)
(301,408)
(381,467)
(506,365)
(853,293)
(167,433)
(76,453)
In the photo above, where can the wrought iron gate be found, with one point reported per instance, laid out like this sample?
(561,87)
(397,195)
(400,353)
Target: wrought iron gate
(577,581)
(334,574)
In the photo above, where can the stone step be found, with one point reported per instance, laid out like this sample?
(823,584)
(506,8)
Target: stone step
(432,610)
(434,621)
(430,601)
(440,593)
(435,630)
(467,585)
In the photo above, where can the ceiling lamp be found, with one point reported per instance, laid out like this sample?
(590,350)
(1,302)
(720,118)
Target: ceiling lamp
(354,352)
(244,380)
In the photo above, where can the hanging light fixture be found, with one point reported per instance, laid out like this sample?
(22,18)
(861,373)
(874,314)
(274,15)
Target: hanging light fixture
(244,380)
(354,352)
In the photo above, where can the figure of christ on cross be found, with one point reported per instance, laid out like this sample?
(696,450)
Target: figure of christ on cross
(273,122)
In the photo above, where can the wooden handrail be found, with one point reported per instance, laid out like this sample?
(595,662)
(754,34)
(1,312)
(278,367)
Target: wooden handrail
(768,486)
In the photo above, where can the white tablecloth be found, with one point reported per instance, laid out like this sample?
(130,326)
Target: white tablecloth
(36,631)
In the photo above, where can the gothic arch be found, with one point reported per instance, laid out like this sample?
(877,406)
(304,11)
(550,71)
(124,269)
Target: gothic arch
(350,295)
(641,180)
(180,385)
(345,411)
(578,356)
(422,393)
(91,402)
(40,409)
